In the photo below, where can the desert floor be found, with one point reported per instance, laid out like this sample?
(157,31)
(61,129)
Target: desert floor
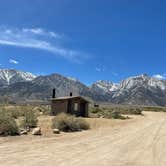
(139,141)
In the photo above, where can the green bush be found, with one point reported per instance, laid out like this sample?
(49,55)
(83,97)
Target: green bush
(68,123)
(29,120)
(8,125)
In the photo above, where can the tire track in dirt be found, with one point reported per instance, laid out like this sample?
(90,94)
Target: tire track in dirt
(158,153)
(140,143)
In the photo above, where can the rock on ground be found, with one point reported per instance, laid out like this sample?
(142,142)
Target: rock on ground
(36,131)
(56,131)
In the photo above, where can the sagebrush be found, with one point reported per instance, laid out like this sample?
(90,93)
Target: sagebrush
(29,120)
(106,113)
(8,125)
(69,123)
(114,112)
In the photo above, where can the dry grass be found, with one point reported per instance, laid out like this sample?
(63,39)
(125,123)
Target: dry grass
(45,123)
(20,110)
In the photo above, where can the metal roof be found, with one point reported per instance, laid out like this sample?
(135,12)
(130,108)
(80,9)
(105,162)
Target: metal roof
(68,98)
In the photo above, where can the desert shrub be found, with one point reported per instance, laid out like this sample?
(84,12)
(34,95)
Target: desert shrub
(14,113)
(18,111)
(83,125)
(29,120)
(130,110)
(109,113)
(12,110)
(115,115)
(137,111)
(46,110)
(94,110)
(69,123)
(154,108)
(8,125)
(112,115)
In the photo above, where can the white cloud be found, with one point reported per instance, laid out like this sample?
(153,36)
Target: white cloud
(42,32)
(53,34)
(160,76)
(13,61)
(100,68)
(38,38)
(35,30)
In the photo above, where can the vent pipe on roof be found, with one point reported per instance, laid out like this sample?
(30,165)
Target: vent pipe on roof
(53,93)
(71,94)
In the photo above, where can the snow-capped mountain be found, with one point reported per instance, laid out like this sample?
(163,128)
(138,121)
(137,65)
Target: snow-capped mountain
(10,76)
(142,80)
(40,89)
(138,90)
(103,87)
(142,89)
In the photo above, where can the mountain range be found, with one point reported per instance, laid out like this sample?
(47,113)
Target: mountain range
(18,86)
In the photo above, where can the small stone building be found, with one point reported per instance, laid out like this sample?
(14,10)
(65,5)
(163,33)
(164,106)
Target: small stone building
(75,105)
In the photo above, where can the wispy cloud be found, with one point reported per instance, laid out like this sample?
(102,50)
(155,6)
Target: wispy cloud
(38,38)
(13,61)
(100,68)
(160,76)
(42,32)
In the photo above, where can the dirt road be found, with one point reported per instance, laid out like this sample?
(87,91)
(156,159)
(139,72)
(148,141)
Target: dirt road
(138,142)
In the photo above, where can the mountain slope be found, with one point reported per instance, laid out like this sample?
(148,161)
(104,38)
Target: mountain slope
(140,90)
(41,87)
(103,87)
(10,76)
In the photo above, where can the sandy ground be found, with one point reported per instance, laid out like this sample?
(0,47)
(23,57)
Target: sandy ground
(140,141)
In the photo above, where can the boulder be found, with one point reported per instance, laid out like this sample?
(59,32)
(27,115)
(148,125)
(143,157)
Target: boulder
(36,131)
(56,131)
(23,132)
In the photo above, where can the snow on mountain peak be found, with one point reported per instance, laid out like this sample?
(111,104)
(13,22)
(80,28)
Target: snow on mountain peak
(27,76)
(105,86)
(157,83)
(9,76)
(73,79)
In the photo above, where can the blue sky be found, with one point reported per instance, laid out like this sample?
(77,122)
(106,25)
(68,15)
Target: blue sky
(86,39)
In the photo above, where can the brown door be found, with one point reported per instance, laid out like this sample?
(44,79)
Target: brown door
(69,111)
(82,109)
